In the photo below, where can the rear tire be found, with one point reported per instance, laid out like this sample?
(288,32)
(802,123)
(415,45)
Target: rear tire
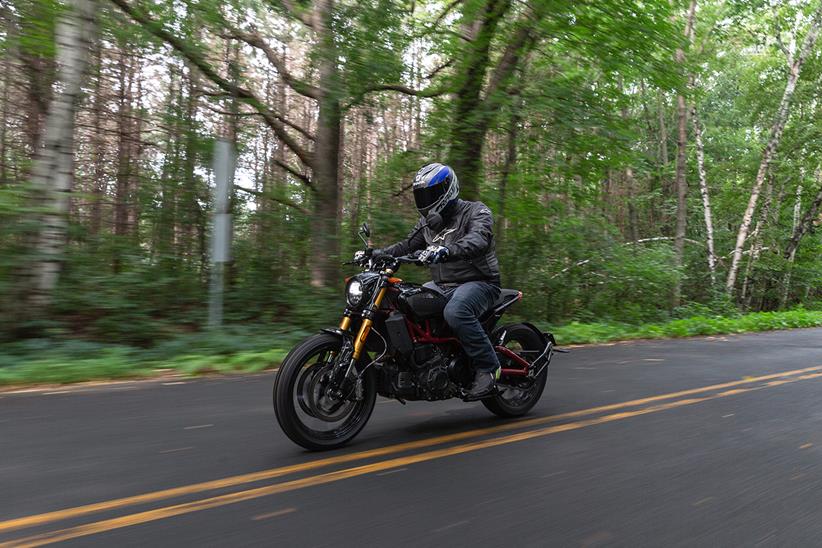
(297,381)
(515,400)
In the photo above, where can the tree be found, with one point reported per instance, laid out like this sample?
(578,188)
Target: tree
(53,170)
(795,68)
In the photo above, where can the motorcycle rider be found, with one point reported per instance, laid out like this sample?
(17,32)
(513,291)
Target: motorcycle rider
(458,245)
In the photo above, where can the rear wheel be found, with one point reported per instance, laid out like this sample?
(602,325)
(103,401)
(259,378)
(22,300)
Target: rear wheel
(517,395)
(307,412)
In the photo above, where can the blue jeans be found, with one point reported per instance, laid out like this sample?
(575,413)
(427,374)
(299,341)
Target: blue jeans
(466,303)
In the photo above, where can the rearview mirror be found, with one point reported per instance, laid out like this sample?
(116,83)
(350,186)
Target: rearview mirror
(365,230)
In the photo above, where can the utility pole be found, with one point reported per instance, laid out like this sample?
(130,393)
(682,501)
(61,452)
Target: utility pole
(224,163)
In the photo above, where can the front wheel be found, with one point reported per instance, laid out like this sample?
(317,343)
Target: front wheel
(517,395)
(307,413)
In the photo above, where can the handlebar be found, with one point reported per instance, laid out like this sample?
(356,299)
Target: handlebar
(410,259)
(385,261)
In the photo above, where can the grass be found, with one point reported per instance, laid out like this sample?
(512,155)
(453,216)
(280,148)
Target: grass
(581,333)
(249,349)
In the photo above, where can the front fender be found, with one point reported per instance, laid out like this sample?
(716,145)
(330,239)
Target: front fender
(345,335)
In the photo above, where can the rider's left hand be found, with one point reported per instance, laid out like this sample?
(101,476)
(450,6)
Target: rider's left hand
(434,254)
(361,257)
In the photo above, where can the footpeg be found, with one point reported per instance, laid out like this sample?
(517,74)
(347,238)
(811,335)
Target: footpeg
(466,397)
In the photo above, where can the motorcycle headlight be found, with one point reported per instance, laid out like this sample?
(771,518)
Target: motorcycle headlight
(354,292)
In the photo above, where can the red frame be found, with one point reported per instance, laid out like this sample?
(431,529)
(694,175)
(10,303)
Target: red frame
(424,335)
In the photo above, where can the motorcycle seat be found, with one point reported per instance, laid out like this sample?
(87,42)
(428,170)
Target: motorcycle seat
(507,297)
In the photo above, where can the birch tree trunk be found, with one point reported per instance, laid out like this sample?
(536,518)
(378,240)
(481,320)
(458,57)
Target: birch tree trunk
(773,142)
(706,200)
(53,170)
(681,165)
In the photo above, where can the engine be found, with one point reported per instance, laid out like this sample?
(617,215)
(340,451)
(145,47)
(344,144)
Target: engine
(431,371)
(423,375)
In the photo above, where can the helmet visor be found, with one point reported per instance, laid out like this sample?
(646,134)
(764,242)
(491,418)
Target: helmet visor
(427,196)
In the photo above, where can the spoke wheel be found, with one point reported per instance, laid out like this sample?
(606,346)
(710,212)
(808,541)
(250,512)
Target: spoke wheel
(308,410)
(517,395)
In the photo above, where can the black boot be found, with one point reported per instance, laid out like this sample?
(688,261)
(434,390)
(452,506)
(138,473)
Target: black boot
(484,385)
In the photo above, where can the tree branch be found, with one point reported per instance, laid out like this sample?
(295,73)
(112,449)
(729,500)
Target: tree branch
(516,49)
(254,40)
(304,132)
(293,171)
(283,201)
(427,92)
(439,69)
(295,12)
(781,45)
(247,96)
(446,11)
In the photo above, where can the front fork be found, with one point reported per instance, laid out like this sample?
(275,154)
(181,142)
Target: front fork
(342,371)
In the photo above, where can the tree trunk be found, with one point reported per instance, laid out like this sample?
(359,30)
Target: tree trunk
(800,229)
(807,223)
(98,144)
(746,295)
(38,69)
(508,167)
(4,112)
(53,169)
(325,240)
(706,200)
(791,255)
(468,126)
(123,177)
(773,143)
(136,152)
(681,160)
(663,147)
(630,183)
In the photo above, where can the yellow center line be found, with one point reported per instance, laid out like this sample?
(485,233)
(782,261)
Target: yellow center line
(330,477)
(233,481)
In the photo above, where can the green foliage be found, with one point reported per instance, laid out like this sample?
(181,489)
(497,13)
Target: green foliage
(239,349)
(587,121)
(257,347)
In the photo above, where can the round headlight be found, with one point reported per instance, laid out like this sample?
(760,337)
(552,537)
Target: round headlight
(353,292)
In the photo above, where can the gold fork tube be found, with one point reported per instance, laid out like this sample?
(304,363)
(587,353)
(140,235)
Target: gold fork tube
(365,328)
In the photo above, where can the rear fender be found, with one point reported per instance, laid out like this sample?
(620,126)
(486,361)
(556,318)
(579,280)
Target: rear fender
(547,343)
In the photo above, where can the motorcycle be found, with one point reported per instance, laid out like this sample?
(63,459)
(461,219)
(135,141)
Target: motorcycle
(326,387)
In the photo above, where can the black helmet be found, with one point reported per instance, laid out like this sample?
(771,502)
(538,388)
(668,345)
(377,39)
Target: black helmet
(435,186)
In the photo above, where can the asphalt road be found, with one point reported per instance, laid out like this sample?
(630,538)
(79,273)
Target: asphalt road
(710,441)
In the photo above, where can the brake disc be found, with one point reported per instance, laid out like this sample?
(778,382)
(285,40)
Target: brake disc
(323,406)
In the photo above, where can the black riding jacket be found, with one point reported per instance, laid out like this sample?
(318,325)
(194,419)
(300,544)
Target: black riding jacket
(468,233)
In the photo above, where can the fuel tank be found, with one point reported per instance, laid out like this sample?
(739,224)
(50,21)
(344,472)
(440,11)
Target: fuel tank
(421,303)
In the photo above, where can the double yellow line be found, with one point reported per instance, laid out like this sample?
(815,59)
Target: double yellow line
(714,392)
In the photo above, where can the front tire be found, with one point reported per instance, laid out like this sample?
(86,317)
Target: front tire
(304,414)
(517,395)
